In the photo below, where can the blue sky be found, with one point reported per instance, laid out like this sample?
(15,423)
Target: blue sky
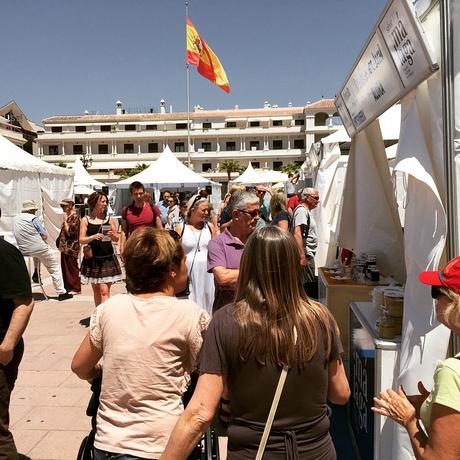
(62,57)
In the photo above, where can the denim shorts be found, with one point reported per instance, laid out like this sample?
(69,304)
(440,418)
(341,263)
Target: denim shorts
(103,455)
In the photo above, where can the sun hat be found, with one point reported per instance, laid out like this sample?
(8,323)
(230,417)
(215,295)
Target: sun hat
(67,202)
(29,205)
(448,277)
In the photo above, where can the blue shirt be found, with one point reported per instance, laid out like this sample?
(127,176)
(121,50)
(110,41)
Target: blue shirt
(39,226)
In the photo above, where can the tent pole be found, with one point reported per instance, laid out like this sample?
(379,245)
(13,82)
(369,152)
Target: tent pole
(448,95)
(187,66)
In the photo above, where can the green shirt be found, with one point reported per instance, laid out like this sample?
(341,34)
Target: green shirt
(446,389)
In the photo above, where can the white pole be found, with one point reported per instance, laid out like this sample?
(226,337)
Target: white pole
(189,161)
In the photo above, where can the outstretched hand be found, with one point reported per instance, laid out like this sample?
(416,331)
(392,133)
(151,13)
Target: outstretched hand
(395,405)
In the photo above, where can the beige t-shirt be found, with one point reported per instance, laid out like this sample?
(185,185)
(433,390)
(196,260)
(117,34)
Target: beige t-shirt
(147,346)
(446,389)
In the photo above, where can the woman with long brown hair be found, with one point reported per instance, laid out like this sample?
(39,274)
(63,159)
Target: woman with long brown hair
(99,266)
(246,346)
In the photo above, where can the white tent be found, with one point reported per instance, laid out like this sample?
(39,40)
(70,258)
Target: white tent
(24,177)
(83,178)
(330,181)
(167,171)
(250,176)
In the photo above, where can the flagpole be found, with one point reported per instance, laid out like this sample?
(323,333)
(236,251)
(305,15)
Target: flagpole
(188,101)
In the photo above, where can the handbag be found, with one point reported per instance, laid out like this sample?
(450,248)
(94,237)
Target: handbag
(271,415)
(87,252)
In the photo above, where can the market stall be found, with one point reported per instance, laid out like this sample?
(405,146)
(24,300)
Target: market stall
(24,177)
(167,172)
(369,217)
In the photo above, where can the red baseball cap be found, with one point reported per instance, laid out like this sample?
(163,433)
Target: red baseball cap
(448,277)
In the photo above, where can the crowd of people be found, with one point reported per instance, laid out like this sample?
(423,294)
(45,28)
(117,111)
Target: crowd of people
(221,302)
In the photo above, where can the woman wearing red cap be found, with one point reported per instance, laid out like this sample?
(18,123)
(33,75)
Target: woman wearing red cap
(439,411)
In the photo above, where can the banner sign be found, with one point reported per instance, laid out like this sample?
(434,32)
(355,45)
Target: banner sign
(393,62)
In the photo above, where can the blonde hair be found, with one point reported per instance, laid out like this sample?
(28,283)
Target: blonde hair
(278,202)
(270,301)
(451,315)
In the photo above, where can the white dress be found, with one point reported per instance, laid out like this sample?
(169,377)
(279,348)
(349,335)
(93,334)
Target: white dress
(201,282)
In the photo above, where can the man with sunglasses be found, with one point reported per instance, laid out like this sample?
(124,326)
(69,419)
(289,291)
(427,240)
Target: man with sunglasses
(225,250)
(304,231)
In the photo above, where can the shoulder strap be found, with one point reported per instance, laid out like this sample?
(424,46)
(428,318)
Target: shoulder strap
(183,229)
(124,213)
(274,407)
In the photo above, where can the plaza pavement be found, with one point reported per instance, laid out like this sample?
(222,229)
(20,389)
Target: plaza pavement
(48,404)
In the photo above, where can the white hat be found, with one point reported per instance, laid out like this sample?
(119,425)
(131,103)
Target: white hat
(29,205)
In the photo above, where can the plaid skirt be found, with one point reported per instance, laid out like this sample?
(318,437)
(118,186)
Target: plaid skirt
(97,270)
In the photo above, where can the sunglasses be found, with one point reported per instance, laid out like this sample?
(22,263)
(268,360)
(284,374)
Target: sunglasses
(174,235)
(253,214)
(436,292)
(316,198)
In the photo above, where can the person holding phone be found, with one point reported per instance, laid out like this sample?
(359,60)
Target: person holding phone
(100,266)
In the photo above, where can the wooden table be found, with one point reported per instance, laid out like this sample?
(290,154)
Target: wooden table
(337,296)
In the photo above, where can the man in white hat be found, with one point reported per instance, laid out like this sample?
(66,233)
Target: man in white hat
(31,237)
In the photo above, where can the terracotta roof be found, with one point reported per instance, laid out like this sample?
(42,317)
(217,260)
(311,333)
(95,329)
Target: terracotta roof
(155,117)
(322,104)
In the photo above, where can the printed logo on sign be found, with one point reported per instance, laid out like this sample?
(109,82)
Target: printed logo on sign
(359,119)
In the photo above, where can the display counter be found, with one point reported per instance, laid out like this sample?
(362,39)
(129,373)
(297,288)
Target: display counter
(372,369)
(337,296)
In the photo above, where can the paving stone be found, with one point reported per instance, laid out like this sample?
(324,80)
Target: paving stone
(58,445)
(26,440)
(53,418)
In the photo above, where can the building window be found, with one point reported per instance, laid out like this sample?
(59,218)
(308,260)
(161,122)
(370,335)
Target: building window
(299,144)
(230,146)
(128,148)
(277,123)
(153,147)
(179,147)
(299,122)
(255,164)
(206,167)
(277,165)
(80,129)
(298,162)
(53,150)
(106,128)
(231,124)
(254,124)
(130,127)
(56,129)
(77,149)
(206,146)
(254,145)
(103,149)
(207,125)
(278,144)
(151,127)
(181,125)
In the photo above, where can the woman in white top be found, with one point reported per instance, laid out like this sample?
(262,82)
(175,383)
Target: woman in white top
(196,234)
(149,341)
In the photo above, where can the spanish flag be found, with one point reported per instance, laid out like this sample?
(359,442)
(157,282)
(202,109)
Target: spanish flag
(202,56)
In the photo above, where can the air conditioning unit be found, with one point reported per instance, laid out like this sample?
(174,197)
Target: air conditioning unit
(253,148)
(200,150)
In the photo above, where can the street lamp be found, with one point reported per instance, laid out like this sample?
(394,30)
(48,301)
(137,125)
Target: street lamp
(87,160)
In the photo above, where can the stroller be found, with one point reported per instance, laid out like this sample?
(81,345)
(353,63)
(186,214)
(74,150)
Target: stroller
(207,448)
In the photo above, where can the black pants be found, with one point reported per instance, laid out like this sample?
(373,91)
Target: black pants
(8,375)
(311,287)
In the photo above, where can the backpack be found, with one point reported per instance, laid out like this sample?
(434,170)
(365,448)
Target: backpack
(304,228)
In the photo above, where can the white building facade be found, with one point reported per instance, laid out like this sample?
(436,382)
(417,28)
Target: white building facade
(270,137)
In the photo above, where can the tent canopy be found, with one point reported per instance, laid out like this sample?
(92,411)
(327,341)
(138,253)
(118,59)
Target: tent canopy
(252,177)
(82,176)
(167,171)
(14,158)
